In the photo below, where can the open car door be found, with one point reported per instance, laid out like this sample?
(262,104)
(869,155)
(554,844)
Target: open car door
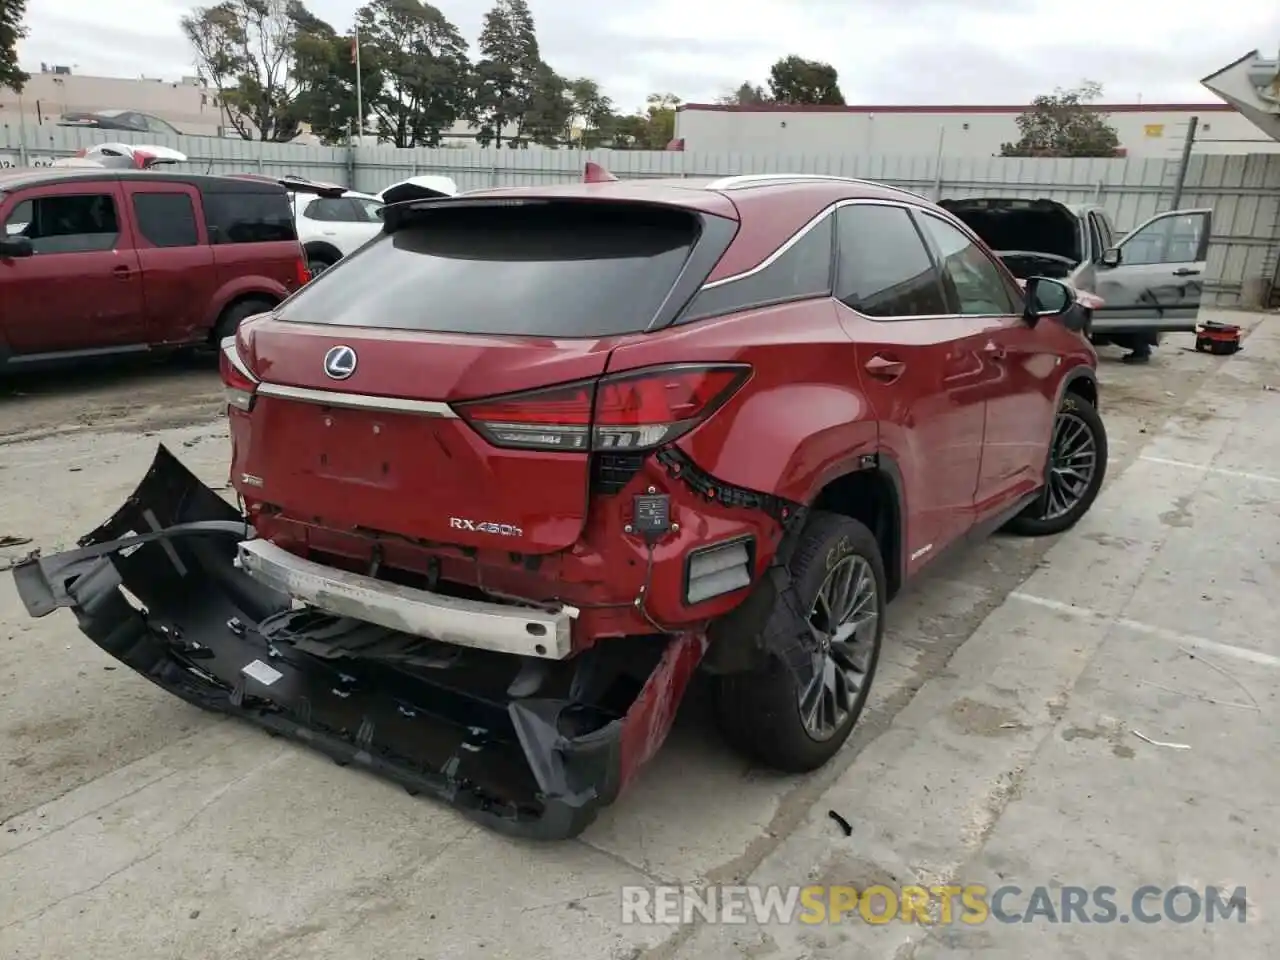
(1153,280)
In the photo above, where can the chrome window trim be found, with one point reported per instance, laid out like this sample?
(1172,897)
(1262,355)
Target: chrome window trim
(829,211)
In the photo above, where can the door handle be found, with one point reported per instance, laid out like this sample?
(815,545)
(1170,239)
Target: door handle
(994,350)
(1186,272)
(882,368)
(121,272)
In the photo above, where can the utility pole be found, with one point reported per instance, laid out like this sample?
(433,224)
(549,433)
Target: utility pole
(1184,161)
(355,58)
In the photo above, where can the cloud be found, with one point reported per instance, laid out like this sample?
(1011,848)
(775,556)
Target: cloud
(886,51)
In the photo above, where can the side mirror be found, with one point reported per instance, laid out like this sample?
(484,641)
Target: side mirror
(16,247)
(1110,257)
(1047,297)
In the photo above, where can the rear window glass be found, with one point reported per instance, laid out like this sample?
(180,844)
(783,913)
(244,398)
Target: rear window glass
(248,217)
(549,269)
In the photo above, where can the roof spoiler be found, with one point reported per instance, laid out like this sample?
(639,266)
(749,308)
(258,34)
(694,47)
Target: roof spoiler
(594,173)
(303,185)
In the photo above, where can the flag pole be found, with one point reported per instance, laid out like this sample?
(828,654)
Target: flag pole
(355,54)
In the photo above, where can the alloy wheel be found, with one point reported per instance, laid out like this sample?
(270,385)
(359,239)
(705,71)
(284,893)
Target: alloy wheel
(843,622)
(1073,461)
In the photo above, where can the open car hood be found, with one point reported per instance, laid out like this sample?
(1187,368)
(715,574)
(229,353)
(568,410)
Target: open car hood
(419,188)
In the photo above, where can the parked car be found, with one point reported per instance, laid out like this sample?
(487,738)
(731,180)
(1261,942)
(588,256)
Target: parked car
(132,120)
(519,466)
(1150,281)
(100,262)
(123,156)
(333,221)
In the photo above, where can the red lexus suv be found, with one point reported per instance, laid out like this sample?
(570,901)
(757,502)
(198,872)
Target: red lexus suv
(513,471)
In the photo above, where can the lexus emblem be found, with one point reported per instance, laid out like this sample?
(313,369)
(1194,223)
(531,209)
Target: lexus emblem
(340,362)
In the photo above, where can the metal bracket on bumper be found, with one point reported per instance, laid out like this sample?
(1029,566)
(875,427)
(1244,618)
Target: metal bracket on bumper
(538,765)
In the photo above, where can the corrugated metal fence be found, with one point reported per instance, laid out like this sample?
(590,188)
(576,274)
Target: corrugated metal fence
(1243,191)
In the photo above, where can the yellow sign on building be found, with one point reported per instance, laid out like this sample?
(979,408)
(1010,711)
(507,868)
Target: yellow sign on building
(1154,129)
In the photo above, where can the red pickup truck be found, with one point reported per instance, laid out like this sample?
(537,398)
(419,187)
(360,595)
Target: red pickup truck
(96,262)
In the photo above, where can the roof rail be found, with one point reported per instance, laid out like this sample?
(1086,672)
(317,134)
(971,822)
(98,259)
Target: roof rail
(749,179)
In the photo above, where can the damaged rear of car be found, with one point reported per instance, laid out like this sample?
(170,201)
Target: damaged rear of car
(450,562)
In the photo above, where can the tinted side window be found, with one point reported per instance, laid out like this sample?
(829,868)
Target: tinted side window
(166,219)
(248,217)
(974,278)
(884,267)
(66,223)
(802,272)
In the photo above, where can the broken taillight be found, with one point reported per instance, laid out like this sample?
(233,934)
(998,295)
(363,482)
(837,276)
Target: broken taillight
(238,383)
(638,410)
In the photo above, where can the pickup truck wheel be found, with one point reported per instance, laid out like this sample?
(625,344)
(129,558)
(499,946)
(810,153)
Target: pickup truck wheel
(1076,468)
(231,317)
(796,724)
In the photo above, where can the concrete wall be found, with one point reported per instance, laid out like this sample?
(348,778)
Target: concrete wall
(1149,132)
(190,107)
(1243,191)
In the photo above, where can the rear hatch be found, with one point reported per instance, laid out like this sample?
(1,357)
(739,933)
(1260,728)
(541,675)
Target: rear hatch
(1034,237)
(371,415)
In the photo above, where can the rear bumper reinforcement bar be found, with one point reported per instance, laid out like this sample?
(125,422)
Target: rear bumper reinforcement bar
(526,631)
(529,747)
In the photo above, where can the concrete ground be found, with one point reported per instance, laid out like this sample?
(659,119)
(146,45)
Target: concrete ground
(1001,745)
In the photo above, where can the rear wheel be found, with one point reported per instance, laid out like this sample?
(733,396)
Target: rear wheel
(317,264)
(1074,474)
(796,720)
(232,315)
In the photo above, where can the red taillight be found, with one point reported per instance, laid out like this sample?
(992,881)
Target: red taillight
(304,275)
(239,384)
(630,411)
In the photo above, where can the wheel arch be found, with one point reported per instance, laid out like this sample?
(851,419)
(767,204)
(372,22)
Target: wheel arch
(1083,382)
(873,495)
(322,250)
(249,296)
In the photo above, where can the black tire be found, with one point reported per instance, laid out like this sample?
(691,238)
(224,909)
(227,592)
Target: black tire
(317,265)
(1038,520)
(759,712)
(232,315)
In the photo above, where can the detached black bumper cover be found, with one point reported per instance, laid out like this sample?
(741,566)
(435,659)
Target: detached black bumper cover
(536,765)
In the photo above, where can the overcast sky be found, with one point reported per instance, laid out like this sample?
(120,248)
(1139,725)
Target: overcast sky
(886,51)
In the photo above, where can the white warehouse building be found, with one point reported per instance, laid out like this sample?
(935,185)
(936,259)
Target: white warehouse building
(1153,130)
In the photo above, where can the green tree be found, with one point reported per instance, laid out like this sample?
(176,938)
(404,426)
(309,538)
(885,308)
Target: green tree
(797,80)
(12,29)
(421,60)
(1065,124)
(594,109)
(509,68)
(747,95)
(660,117)
(247,49)
(324,66)
(549,110)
